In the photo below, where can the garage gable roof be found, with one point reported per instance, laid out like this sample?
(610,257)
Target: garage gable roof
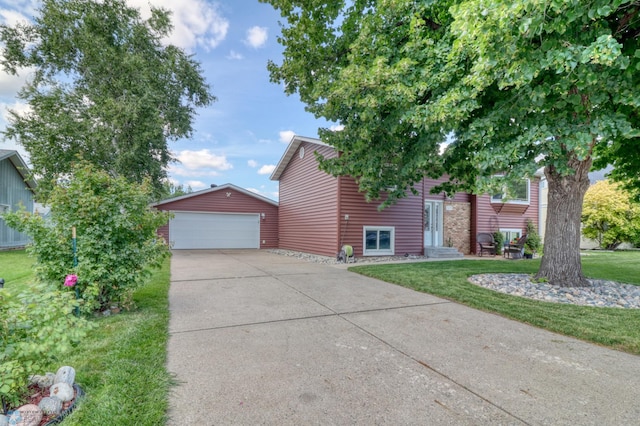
(291,150)
(14,157)
(219,188)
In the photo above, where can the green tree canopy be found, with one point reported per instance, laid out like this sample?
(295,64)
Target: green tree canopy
(520,84)
(609,215)
(104,88)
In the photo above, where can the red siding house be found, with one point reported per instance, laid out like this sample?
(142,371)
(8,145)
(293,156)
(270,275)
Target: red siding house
(221,217)
(319,213)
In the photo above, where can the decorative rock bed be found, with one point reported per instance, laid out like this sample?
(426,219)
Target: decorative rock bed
(326,260)
(601,293)
(52,398)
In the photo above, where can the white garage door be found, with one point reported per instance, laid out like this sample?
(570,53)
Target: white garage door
(214,230)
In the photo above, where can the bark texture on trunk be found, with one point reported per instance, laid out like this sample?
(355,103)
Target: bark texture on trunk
(561,264)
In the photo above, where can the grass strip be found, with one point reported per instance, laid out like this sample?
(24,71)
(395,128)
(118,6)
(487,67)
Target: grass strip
(122,365)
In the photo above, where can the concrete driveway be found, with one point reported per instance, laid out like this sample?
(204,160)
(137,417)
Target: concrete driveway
(257,338)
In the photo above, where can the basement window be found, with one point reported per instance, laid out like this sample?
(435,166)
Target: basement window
(378,240)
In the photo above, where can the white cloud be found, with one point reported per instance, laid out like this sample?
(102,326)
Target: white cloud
(252,163)
(196,184)
(256,36)
(271,195)
(12,17)
(10,84)
(196,23)
(173,181)
(235,56)
(337,128)
(286,136)
(267,169)
(178,171)
(5,143)
(20,108)
(203,159)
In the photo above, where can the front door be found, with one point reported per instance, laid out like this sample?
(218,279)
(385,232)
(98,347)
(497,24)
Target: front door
(433,223)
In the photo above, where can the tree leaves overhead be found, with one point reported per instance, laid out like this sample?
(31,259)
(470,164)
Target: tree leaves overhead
(521,84)
(103,87)
(365,65)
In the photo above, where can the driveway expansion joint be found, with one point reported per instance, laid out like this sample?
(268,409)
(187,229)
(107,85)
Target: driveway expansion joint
(329,315)
(194,280)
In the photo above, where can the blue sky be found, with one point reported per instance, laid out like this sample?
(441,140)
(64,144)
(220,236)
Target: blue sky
(238,139)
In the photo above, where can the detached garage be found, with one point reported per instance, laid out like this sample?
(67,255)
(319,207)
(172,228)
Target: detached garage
(221,217)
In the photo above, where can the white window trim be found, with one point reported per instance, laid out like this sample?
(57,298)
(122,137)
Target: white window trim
(377,252)
(521,202)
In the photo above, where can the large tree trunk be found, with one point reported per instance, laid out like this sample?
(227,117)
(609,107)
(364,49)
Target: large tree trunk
(561,264)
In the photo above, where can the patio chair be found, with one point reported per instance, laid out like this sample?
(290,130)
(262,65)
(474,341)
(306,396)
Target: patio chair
(515,250)
(486,243)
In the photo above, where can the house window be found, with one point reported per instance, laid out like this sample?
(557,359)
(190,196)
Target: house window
(378,240)
(517,192)
(511,235)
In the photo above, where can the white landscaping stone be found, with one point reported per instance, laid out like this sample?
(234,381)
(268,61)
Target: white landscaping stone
(27,415)
(43,381)
(65,374)
(63,391)
(4,421)
(50,405)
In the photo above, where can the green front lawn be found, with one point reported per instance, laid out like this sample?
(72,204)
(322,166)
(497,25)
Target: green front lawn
(612,327)
(16,268)
(121,365)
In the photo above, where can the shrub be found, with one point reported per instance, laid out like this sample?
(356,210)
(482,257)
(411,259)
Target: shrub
(499,239)
(534,242)
(116,236)
(37,327)
(610,215)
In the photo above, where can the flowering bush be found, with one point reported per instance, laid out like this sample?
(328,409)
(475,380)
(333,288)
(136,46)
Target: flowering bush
(70,280)
(116,236)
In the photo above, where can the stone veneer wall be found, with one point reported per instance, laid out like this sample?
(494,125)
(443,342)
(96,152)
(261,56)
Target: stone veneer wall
(457,226)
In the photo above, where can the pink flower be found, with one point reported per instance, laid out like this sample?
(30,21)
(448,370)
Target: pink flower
(70,280)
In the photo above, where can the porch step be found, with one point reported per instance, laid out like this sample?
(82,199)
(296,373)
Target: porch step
(442,252)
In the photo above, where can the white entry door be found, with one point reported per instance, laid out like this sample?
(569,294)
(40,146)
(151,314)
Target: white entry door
(433,223)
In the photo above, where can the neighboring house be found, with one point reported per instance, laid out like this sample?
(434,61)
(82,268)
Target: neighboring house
(220,217)
(16,190)
(319,213)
